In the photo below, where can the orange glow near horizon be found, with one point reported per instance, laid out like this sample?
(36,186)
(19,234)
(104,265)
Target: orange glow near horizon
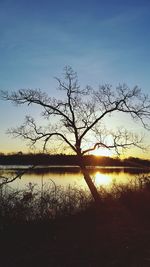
(102,152)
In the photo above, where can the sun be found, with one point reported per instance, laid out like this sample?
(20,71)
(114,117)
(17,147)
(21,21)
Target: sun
(102,152)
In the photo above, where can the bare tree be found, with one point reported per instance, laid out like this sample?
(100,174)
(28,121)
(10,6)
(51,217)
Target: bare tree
(77,119)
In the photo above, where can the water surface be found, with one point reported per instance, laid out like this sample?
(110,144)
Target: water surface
(70,175)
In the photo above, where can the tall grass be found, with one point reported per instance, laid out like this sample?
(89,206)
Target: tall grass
(34,204)
(51,202)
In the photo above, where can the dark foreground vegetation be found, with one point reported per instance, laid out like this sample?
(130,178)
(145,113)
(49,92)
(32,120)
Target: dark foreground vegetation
(61,159)
(63,228)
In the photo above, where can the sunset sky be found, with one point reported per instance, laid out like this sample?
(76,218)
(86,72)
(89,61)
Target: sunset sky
(104,41)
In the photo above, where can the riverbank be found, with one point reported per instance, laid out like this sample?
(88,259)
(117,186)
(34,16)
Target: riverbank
(82,240)
(117,233)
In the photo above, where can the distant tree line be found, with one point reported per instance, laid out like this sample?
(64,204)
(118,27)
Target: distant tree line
(62,159)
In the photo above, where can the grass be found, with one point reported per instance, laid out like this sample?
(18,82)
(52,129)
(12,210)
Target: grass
(63,228)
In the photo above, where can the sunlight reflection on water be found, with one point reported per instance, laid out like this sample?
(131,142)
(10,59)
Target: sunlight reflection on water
(104,177)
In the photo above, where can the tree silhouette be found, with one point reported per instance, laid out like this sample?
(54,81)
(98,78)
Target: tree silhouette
(77,119)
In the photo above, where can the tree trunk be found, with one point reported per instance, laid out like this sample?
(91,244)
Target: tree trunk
(89,181)
(91,185)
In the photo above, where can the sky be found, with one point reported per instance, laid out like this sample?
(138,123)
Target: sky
(104,41)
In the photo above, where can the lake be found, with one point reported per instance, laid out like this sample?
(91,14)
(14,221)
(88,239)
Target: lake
(71,176)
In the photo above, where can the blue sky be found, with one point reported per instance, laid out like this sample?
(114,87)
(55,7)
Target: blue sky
(104,41)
